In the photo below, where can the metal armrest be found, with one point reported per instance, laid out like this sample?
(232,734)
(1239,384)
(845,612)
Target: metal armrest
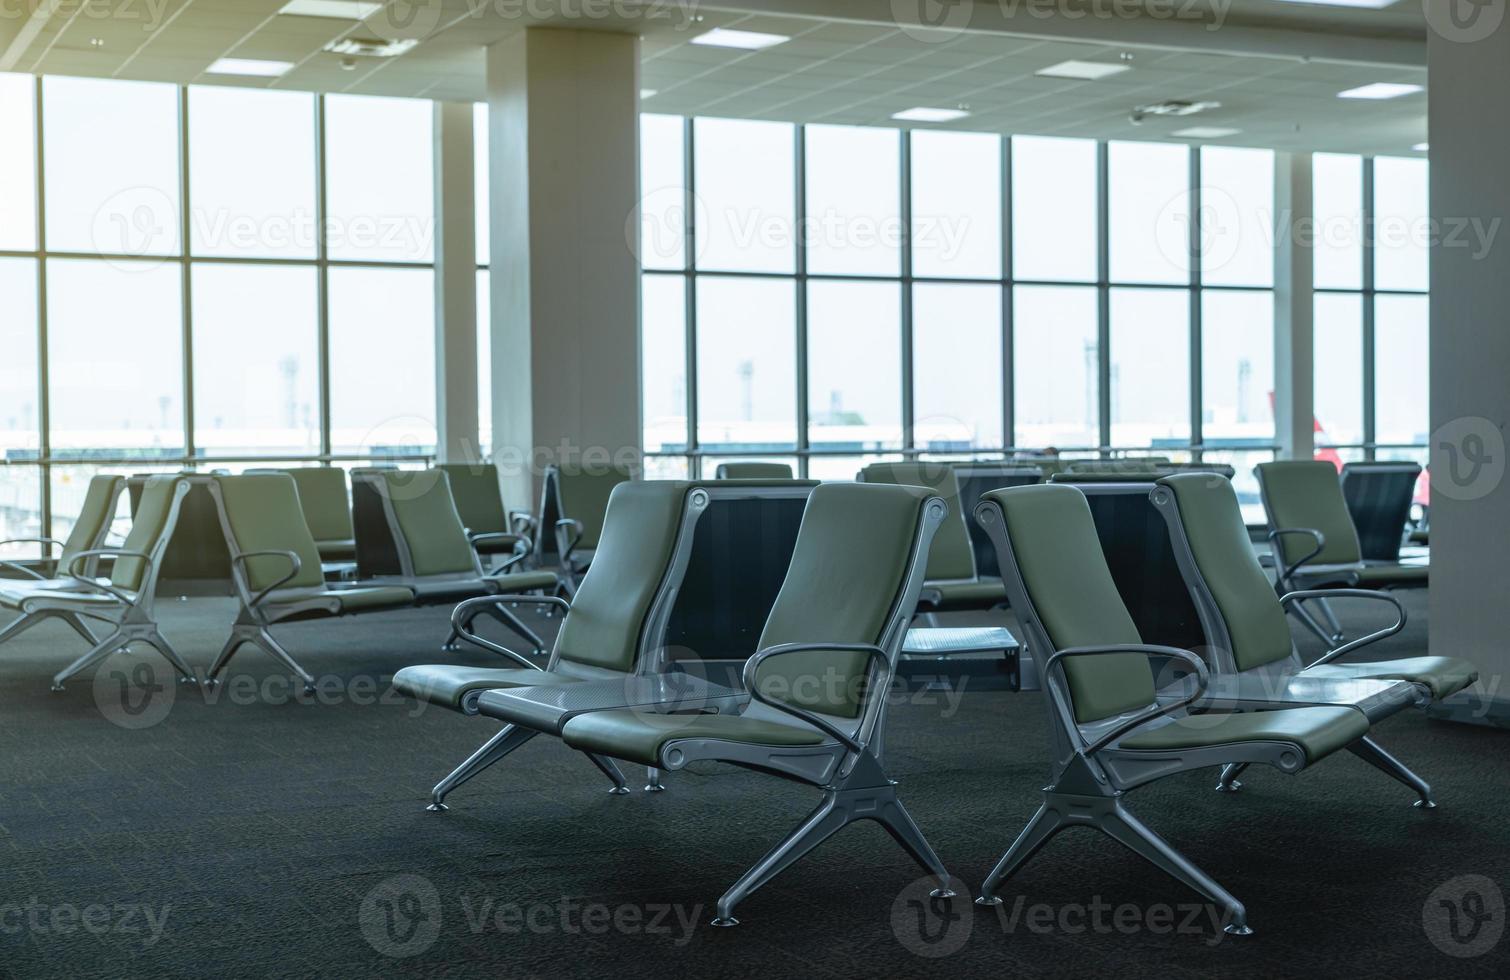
(1362,641)
(293,559)
(460,618)
(522,521)
(1202,677)
(121,594)
(752,670)
(565,546)
(522,548)
(43,557)
(1279,532)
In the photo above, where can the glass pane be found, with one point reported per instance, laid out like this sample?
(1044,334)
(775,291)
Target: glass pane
(746,364)
(256,360)
(1244,480)
(19,421)
(843,468)
(484,366)
(667,468)
(1150,367)
(115,358)
(112,166)
(956,367)
(1338,384)
(1054,231)
(1402,223)
(1337,190)
(746,194)
(480,178)
(854,206)
(382,361)
(1149,220)
(1237,216)
(854,365)
(956,204)
(1237,367)
(1401,370)
(663,193)
(18,163)
(379,192)
(21,511)
(1056,373)
(663,360)
(251,172)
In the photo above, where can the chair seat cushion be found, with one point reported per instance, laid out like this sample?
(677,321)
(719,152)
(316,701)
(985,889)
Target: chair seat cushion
(637,736)
(982,594)
(1443,676)
(372,597)
(447,684)
(1389,573)
(337,549)
(57,598)
(1319,731)
(526,581)
(13,591)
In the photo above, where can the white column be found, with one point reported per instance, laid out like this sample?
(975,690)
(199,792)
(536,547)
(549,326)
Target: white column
(455,286)
(1469,101)
(563,146)
(1294,238)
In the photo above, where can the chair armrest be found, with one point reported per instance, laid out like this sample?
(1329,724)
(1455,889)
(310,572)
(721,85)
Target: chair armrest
(41,557)
(565,545)
(522,521)
(1279,532)
(522,548)
(293,559)
(1202,676)
(750,678)
(79,577)
(1362,641)
(460,618)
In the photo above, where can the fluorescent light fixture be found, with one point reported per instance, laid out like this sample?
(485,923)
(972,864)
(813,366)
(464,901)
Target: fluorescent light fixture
(646,93)
(1367,4)
(1206,132)
(1087,71)
(249,66)
(334,9)
(923,113)
(723,37)
(1422,147)
(1380,90)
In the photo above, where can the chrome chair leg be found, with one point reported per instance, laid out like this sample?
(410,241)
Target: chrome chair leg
(1373,753)
(495,748)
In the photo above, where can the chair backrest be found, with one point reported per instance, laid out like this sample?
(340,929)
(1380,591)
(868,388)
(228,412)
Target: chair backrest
(262,512)
(1062,591)
(430,538)
(752,470)
(94,518)
(1307,493)
(855,576)
(1240,613)
(479,500)
(641,535)
(582,496)
(952,557)
(151,530)
(974,480)
(323,501)
(1378,498)
(1123,464)
(1107,476)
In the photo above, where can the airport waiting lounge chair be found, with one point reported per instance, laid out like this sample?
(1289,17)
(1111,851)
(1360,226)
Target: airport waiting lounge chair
(817,687)
(1248,634)
(953,581)
(1379,497)
(275,566)
(327,510)
(124,599)
(1315,543)
(753,470)
(1111,730)
(573,502)
(494,529)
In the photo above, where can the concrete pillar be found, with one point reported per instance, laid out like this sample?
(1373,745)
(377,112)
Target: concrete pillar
(1468,102)
(1294,305)
(455,286)
(563,144)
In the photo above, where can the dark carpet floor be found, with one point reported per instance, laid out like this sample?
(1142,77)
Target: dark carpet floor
(267,836)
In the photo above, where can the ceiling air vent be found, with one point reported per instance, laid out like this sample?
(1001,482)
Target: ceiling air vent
(370,47)
(1174,107)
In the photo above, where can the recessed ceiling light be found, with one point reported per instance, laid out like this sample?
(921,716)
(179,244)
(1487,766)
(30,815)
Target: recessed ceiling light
(1206,132)
(96,42)
(723,37)
(1084,70)
(334,9)
(249,66)
(924,113)
(1422,147)
(1370,4)
(1380,90)
(646,93)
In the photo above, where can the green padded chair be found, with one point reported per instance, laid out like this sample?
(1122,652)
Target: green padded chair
(1123,464)
(1111,730)
(275,566)
(1248,633)
(818,684)
(953,582)
(573,502)
(647,528)
(1315,542)
(88,533)
(327,510)
(124,600)
(436,557)
(754,471)
(494,530)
